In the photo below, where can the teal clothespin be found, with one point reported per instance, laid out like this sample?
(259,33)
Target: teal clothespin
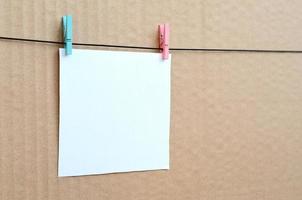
(67,34)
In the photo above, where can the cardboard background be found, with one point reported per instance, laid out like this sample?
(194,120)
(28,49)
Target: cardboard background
(236,117)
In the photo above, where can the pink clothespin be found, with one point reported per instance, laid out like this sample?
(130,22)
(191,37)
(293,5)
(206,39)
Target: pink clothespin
(164,33)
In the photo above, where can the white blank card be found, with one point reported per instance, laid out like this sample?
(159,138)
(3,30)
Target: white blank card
(114,112)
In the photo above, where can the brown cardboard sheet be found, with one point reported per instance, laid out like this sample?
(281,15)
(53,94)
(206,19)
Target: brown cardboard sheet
(236,117)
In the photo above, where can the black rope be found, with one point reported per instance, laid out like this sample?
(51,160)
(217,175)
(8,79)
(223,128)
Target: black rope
(154,48)
(31,40)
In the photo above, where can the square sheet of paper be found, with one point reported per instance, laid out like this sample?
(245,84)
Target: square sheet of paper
(114,112)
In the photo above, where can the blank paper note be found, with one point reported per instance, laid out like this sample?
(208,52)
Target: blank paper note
(114,112)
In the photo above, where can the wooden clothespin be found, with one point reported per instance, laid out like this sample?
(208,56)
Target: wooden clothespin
(67,34)
(164,33)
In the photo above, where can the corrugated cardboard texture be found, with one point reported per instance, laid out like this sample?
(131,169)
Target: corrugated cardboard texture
(236,117)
